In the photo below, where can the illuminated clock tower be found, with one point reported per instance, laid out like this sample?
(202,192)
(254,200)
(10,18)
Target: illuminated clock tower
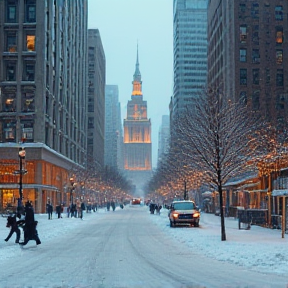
(137,136)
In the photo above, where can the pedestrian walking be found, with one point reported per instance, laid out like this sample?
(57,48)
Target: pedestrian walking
(82,209)
(13,225)
(58,211)
(113,205)
(49,210)
(29,227)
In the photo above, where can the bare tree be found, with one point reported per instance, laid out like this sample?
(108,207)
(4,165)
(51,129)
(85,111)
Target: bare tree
(219,138)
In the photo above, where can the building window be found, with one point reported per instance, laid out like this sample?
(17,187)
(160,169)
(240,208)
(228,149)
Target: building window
(11,71)
(8,102)
(255,10)
(279,77)
(279,35)
(90,141)
(279,56)
(256,77)
(255,35)
(255,100)
(90,122)
(11,42)
(30,11)
(28,104)
(242,7)
(243,33)
(11,16)
(30,41)
(243,76)
(27,131)
(255,56)
(279,13)
(267,71)
(243,55)
(29,71)
(9,131)
(90,104)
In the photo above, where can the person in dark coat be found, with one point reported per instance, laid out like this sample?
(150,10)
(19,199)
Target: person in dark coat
(113,205)
(58,211)
(29,228)
(49,210)
(12,224)
(82,209)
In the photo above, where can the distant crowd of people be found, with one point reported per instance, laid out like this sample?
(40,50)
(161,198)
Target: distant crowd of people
(73,210)
(24,219)
(153,207)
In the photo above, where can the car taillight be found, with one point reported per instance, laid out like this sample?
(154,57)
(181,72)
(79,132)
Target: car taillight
(175,215)
(196,215)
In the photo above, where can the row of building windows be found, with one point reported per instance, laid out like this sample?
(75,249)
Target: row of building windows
(8,99)
(11,41)
(278,14)
(28,73)
(256,56)
(256,77)
(255,100)
(12,11)
(8,129)
(279,36)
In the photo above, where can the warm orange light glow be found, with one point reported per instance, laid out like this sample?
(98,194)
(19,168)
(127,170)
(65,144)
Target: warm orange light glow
(31,42)
(137,88)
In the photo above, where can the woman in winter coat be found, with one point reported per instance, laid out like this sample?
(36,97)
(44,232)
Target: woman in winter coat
(30,232)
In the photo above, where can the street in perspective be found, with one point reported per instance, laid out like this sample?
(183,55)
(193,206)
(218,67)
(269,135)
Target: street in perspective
(133,248)
(143,143)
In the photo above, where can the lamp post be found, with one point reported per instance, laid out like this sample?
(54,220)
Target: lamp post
(72,188)
(21,154)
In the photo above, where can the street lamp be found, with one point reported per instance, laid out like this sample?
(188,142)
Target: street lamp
(21,154)
(72,188)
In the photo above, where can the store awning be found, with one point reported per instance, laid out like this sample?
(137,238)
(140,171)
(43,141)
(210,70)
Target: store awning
(282,192)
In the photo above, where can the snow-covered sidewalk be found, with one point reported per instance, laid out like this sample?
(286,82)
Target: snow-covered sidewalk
(47,230)
(259,249)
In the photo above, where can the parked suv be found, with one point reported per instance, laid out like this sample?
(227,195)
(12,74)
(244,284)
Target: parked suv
(184,212)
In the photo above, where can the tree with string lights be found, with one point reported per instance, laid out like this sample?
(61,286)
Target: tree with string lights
(219,138)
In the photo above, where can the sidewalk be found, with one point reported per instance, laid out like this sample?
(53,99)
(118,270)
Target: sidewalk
(260,249)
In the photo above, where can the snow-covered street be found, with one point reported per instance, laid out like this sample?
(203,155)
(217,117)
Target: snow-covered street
(132,248)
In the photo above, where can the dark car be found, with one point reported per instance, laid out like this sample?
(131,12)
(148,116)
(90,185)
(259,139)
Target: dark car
(184,212)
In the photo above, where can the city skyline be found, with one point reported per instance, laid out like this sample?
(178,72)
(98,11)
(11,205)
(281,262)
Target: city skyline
(138,23)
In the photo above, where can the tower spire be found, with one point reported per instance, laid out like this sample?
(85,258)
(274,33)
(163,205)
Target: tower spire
(137,83)
(137,74)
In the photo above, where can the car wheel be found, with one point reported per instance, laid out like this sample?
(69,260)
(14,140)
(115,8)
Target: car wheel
(196,224)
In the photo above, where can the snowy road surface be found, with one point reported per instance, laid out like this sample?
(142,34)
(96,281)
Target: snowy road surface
(122,249)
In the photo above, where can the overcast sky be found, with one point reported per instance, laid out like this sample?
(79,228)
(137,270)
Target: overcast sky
(123,23)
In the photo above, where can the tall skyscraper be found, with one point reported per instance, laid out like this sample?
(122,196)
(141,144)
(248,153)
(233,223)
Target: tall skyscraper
(43,58)
(190,52)
(137,136)
(248,44)
(96,97)
(163,137)
(113,128)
